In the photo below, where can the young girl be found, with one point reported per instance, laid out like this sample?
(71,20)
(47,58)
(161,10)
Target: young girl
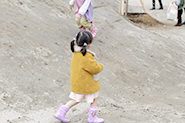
(84,15)
(84,85)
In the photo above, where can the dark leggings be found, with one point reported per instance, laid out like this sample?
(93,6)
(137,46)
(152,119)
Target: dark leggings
(179,16)
(160,2)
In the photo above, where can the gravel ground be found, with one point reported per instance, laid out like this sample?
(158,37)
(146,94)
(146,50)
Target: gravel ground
(143,78)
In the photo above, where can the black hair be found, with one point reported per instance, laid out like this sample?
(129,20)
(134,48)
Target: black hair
(72,45)
(82,39)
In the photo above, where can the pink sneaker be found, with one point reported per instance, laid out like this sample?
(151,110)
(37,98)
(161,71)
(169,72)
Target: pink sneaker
(92,118)
(93,30)
(61,113)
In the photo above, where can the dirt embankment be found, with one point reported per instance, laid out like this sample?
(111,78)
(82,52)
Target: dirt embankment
(144,20)
(143,77)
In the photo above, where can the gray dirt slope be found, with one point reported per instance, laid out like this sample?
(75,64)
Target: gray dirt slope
(144,69)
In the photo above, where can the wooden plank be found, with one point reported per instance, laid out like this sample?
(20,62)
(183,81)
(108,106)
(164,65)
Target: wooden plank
(126,7)
(121,7)
(141,1)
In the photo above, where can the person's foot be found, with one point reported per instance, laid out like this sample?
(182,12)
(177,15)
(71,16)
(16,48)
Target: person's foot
(153,8)
(178,24)
(61,113)
(160,8)
(92,117)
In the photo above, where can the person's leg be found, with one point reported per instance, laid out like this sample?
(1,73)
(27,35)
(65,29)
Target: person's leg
(92,116)
(78,22)
(184,13)
(61,113)
(94,103)
(93,30)
(71,103)
(179,17)
(161,5)
(85,23)
(89,25)
(153,5)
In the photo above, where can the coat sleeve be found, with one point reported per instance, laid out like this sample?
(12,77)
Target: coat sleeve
(84,7)
(71,2)
(91,65)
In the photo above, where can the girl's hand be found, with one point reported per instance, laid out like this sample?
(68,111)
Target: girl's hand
(71,6)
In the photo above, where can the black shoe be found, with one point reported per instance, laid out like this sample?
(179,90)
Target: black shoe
(160,8)
(178,24)
(152,8)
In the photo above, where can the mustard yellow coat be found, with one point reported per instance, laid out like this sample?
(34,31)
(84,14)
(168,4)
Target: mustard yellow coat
(82,70)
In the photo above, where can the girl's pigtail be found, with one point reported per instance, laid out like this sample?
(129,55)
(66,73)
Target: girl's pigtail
(83,50)
(72,45)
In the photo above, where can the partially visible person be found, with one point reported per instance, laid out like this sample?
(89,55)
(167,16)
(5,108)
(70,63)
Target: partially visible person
(84,15)
(160,3)
(180,4)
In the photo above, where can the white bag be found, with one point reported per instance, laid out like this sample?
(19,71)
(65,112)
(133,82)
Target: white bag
(172,12)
